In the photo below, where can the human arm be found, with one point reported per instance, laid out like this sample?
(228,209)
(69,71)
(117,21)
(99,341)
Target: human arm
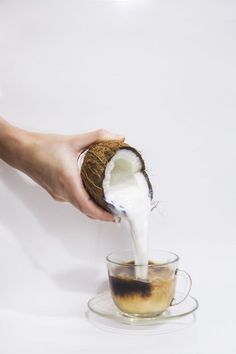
(51,161)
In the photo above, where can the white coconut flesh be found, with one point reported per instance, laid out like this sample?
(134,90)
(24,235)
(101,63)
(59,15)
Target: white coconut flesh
(126,190)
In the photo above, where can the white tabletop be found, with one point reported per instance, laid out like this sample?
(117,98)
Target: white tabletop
(163,73)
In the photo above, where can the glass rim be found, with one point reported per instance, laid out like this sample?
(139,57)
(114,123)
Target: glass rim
(176,259)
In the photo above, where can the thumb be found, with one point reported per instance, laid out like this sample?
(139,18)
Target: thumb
(84,140)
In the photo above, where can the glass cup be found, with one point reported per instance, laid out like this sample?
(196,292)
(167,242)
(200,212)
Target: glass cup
(146,290)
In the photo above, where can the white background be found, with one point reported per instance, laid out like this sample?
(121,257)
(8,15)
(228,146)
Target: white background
(163,73)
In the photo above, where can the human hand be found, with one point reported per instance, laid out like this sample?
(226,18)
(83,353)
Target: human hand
(51,161)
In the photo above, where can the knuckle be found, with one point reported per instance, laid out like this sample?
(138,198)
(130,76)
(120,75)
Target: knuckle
(55,194)
(83,209)
(90,217)
(57,197)
(80,206)
(100,133)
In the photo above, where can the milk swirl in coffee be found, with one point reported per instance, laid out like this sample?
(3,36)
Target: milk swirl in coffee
(126,190)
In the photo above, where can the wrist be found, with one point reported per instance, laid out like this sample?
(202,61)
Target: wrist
(14,145)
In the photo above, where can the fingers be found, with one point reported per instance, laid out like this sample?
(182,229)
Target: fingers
(84,140)
(83,202)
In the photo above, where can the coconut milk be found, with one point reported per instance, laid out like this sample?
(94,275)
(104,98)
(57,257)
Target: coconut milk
(126,189)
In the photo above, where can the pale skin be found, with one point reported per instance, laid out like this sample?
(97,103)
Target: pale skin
(51,161)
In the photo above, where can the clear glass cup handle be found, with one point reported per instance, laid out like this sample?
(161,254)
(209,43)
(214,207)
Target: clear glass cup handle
(188,285)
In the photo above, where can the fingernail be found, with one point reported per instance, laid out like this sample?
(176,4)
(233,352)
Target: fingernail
(117,219)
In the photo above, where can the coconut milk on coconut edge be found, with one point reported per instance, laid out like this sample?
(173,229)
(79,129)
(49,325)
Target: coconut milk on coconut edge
(127,192)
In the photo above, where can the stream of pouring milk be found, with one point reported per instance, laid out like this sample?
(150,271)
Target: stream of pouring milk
(126,189)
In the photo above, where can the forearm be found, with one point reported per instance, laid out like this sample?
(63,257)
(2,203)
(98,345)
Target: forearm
(13,144)
(51,160)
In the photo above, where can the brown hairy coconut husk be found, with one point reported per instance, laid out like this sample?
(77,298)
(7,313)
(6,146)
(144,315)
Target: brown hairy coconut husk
(94,165)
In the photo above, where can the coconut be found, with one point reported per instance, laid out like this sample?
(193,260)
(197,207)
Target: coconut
(99,163)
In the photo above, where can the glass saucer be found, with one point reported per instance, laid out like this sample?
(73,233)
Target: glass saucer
(102,305)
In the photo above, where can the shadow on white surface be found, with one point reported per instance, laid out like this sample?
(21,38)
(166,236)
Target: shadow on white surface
(60,221)
(76,279)
(51,254)
(167,327)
